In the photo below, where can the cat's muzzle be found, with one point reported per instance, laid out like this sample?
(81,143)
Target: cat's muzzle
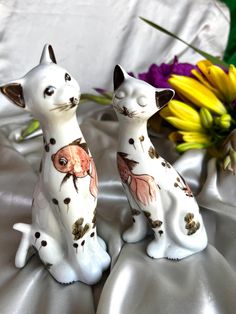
(74,102)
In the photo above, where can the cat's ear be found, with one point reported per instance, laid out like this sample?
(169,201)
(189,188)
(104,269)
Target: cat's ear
(48,55)
(119,76)
(163,97)
(14,92)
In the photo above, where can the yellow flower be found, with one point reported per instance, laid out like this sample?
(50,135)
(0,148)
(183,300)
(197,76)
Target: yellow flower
(191,131)
(205,82)
(195,137)
(183,111)
(222,84)
(192,140)
(184,125)
(182,116)
(197,93)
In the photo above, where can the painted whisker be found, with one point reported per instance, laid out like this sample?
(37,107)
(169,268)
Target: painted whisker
(66,107)
(60,108)
(124,111)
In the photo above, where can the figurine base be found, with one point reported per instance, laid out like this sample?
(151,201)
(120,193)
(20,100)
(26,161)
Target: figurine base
(88,261)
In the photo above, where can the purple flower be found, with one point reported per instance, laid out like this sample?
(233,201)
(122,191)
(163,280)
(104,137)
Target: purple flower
(158,75)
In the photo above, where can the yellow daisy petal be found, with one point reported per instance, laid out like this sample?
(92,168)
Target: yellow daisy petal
(185,125)
(232,80)
(221,81)
(205,82)
(204,66)
(183,111)
(195,137)
(197,93)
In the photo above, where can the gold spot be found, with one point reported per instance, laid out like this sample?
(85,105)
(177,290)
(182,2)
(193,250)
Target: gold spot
(78,230)
(188,217)
(152,152)
(191,225)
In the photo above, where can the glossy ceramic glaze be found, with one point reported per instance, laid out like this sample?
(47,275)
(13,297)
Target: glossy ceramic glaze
(157,194)
(63,229)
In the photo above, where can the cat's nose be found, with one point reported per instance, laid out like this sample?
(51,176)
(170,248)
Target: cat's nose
(74,101)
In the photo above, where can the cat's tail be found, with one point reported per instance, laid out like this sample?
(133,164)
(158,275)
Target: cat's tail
(25,243)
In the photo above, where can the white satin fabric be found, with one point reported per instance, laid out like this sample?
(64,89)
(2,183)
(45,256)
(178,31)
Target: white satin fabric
(89,38)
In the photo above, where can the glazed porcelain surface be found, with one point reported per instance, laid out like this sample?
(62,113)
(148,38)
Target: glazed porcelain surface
(157,194)
(63,229)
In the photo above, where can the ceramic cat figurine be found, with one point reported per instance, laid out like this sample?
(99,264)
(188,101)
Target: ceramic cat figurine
(155,191)
(63,228)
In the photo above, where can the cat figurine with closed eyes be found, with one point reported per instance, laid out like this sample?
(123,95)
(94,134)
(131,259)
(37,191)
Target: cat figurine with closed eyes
(157,194)
(63,228)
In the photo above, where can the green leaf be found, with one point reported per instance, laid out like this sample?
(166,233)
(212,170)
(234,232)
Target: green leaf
(102,100)
(32,126)
(206,55)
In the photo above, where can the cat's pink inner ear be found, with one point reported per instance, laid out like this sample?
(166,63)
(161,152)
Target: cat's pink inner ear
(14,92)
(163,97)
(118,77)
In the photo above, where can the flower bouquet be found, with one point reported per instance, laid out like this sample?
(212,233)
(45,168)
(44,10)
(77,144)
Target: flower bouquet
(202,114)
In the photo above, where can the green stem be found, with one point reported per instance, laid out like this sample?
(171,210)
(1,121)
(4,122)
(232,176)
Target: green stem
(206,55)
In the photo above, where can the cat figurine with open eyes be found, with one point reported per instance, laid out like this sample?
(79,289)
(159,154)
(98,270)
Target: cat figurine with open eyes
(157,194)
(63,229)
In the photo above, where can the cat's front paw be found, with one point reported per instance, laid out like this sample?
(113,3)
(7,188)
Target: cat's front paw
(137,231)
(92,259)
(156,249)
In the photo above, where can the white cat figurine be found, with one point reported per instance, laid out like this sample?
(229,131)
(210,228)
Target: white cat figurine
(156,192)
(63,228)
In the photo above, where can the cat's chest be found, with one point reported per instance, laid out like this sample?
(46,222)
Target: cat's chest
(65,160)
(136,155)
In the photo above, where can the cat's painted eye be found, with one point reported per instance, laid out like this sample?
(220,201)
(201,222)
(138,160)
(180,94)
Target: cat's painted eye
(120,95)
(49,91)
(67,77)
(142,101)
